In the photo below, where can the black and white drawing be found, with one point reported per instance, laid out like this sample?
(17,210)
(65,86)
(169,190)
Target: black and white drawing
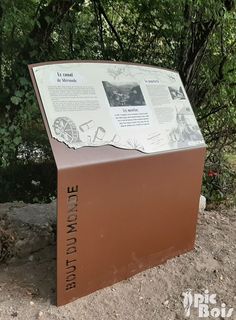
(183,108)
(99,134)
(65,129)
(135,144)
(123,94)
(119,71)
(156,139)
(116,71)
(177,93)
(87,125)
(185,133)
(115,139)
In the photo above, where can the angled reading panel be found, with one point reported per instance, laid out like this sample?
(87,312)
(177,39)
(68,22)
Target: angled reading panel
(128,106)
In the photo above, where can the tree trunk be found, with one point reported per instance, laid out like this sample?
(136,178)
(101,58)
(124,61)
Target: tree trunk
(1,46)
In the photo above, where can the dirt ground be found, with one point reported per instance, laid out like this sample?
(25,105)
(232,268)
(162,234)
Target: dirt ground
(27,284)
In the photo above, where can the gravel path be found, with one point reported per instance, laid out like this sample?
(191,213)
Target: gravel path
(27,284)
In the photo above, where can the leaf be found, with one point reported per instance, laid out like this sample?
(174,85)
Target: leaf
(17,140)
(23,81)
(19,93)
(15,100)
(33,53)
(48,19)
(12,128)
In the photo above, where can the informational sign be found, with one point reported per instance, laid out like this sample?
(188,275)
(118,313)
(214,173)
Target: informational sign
(124,105)
(119,212)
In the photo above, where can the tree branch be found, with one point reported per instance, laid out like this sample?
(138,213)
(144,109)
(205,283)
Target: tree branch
(1,45)
(212,111)
(190,63)
(102,11)
(49,16)
(100,26)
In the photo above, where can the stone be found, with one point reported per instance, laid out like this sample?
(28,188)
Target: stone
(202,203)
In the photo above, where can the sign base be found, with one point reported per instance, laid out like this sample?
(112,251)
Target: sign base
(119,217)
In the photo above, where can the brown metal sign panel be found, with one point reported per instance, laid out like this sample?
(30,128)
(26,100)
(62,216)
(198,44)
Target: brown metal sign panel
(120,212)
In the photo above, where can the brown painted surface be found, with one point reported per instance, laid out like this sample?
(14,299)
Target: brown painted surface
(133,211)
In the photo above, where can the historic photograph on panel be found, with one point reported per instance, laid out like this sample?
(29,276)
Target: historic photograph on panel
(177,93)
(123,94)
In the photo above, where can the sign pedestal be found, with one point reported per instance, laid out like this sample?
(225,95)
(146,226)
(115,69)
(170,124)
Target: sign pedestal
(119,217)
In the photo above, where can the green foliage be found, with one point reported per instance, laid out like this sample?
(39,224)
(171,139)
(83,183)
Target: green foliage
(219,183)
(197,38)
